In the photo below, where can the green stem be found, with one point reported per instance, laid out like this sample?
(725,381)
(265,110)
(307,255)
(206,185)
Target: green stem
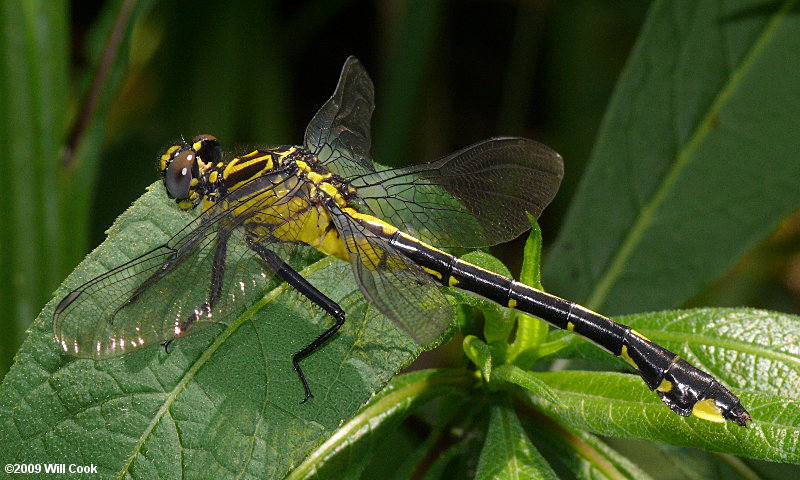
(392,402)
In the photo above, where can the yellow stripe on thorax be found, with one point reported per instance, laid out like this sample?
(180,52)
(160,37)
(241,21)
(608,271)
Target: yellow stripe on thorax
(165,158)
(238,165)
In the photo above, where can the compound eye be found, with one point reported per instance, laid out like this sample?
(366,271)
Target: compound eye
(205,138)
(179,174)
(207,148)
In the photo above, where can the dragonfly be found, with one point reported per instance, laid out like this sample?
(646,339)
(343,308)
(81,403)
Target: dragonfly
(258,209)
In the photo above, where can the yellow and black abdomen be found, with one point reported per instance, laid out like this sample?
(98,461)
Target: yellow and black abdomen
(685,389)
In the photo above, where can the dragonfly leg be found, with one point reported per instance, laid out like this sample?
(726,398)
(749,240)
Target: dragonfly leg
(293,278)
(217,270)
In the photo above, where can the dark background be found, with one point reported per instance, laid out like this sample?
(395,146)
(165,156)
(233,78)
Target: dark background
(447,74)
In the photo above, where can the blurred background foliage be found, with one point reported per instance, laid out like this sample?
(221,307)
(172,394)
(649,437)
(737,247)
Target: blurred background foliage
(92,91)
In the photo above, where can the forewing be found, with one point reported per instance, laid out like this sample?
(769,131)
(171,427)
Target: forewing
(398,287)
(475,197)
(339,134)
(148,300)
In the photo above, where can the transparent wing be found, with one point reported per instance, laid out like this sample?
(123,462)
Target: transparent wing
(475,197)
(398,287)
(339,134)
(149,299)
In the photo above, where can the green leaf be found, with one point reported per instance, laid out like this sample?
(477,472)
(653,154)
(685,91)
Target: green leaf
(697,158)
(480,354)
(692,464)
(747,349)
(582,453)
(508,453)
(223,402)
(517,376)
(350,447)
(499,320)
(620,405)
(753,352)
(531,273)
(530,331)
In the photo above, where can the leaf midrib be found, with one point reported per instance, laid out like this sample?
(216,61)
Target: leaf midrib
(695,340)
(206,355)
(645,219)
(510,440)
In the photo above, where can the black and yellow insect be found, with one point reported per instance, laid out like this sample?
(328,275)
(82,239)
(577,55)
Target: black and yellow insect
(258,208)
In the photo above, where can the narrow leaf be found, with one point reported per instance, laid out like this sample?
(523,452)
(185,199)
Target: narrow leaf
(508,453)
(531,273)
(620,405)
(517,376)
(350,448)
(530,331)
(479,353)
(584,454)
(697,158)
(747,349)
(34,80)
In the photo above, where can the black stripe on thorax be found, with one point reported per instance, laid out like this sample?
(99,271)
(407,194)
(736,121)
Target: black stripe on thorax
(243,169)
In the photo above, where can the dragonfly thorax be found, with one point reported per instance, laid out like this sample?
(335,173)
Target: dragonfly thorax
(283,193)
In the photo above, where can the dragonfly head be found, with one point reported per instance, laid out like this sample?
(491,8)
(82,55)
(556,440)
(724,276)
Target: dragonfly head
(184,167)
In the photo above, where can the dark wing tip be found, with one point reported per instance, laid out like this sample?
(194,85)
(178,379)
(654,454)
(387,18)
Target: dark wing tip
(66,302)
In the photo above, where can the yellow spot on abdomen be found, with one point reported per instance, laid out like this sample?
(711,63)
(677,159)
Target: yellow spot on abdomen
(665,386)
(433,272)
(707,410)
(627,358)
(453,281)
(512,303)
(571,327)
